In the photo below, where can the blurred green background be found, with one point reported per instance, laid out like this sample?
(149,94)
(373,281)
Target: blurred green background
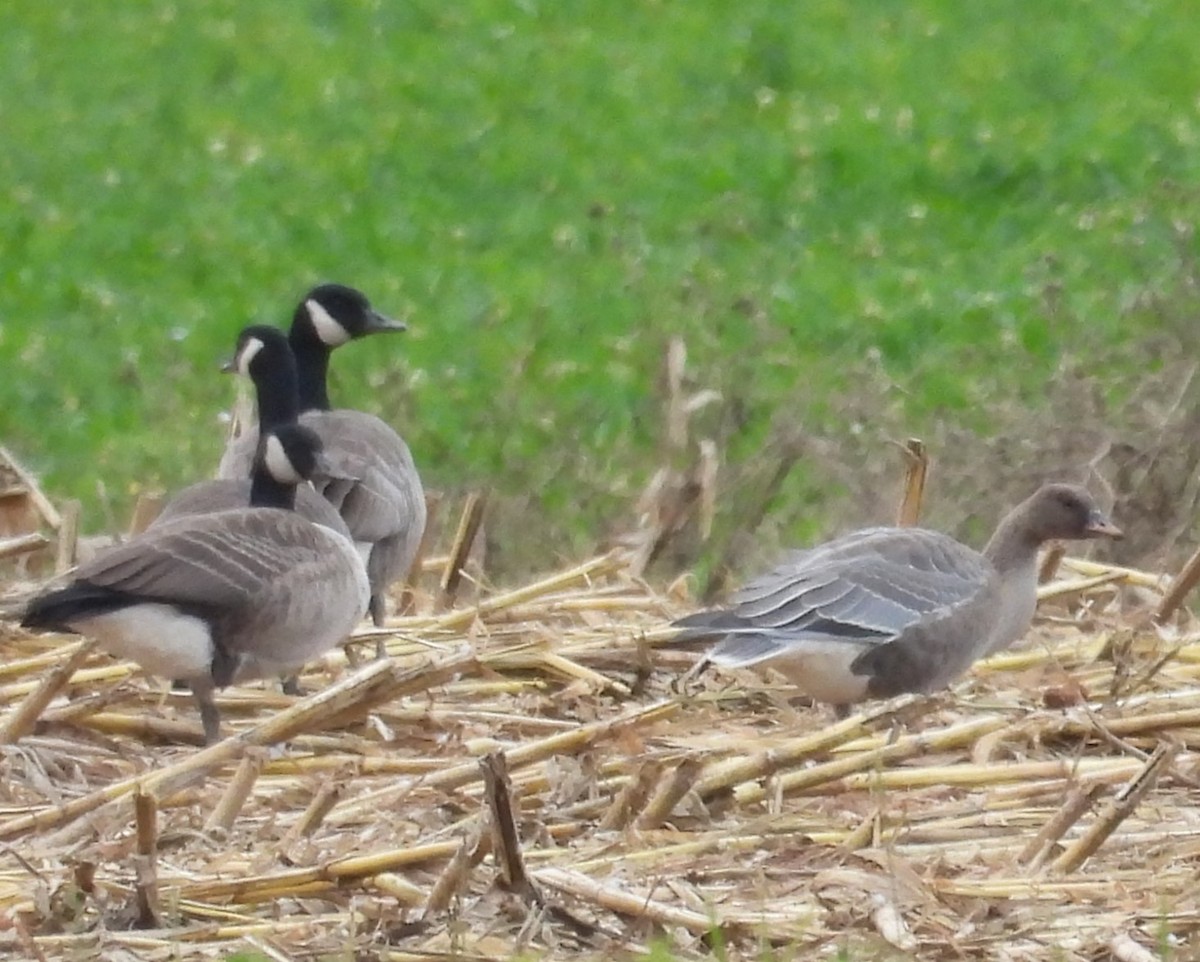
(955,195)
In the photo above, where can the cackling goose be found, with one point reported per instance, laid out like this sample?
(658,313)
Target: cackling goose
(229,596)
(384,507)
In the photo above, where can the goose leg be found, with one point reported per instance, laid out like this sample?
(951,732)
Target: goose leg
(224,667)
(378,609)
(210,716)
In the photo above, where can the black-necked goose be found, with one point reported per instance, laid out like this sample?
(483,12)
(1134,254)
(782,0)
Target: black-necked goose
(890,610)
(228,596)
(385,507)
(277,388)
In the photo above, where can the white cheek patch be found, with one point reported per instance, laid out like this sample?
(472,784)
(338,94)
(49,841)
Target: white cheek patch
(329,330)
(246,355)
(278,464)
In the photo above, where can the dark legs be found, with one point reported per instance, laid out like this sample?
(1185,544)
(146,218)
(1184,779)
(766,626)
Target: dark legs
(378,609)
(210,717)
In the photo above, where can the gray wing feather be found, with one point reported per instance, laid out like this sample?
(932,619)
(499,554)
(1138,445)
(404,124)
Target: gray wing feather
(871,585)
(215,564)
(877,612)
(739,651)
(271,581)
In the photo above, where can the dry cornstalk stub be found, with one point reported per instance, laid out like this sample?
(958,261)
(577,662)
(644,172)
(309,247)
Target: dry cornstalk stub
(916,466)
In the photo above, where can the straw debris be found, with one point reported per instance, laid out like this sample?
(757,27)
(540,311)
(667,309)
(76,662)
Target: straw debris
(521,774)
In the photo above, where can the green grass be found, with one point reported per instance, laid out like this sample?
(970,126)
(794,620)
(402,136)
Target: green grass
(548,191)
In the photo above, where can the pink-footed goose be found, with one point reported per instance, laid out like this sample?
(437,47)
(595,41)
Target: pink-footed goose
(889,610)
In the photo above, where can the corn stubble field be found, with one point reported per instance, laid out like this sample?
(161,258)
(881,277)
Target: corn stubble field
(527,774)
(678,279)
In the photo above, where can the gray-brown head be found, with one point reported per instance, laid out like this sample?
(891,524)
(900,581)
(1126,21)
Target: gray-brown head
(1065,512)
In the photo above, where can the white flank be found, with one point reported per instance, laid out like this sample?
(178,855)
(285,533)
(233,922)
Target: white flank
(158,637)
(821,671)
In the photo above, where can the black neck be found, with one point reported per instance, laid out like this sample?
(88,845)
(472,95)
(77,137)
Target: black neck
(266,492)
(275,384)
(276,388)
(312,363)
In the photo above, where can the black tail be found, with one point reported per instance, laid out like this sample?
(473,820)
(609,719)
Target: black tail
(55,610)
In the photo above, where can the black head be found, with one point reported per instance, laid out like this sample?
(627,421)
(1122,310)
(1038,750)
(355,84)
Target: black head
(260,350)
(264,355)
(1067,512)
(332,314)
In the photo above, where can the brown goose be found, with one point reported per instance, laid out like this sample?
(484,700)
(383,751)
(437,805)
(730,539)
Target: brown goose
(890,610)
(384,507)
(231,595)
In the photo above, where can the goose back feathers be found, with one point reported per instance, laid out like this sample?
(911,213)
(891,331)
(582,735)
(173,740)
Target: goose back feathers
(890,610)
(208,497)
